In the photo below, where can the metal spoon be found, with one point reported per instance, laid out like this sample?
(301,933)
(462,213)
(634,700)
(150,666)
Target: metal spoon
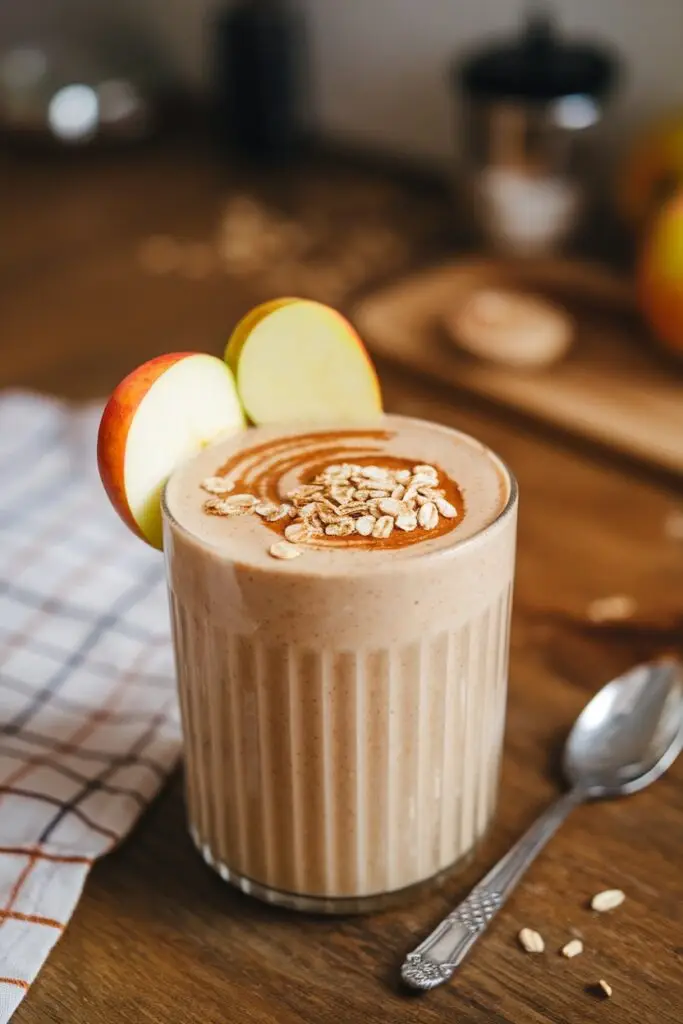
(624,739)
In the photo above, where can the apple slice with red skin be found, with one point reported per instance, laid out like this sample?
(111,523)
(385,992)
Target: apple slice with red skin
(160,414)
(299,360)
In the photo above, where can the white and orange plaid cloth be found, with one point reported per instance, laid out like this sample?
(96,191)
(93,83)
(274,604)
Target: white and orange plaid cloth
(88,716)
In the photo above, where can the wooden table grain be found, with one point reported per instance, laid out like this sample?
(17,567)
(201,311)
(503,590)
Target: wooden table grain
(157,936)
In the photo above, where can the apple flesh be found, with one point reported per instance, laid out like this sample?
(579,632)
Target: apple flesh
(160,414)
(299,360)
(246,325)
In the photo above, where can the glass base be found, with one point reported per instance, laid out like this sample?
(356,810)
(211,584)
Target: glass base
(328,904)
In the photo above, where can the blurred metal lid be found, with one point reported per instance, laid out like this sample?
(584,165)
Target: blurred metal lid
(537,66)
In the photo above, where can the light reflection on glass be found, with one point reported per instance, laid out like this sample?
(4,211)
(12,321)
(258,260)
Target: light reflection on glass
(73,113)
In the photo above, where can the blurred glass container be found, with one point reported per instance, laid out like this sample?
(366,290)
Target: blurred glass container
(72,94)
(532,109)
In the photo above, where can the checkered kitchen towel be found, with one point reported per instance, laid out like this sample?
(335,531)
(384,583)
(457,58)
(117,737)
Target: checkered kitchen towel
(88,717)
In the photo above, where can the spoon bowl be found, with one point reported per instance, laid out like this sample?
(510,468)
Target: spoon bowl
(629,733)
(624,739)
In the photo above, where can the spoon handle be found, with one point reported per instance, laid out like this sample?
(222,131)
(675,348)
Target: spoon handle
(434,960)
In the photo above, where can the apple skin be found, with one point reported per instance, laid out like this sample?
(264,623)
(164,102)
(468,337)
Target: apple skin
(660,276)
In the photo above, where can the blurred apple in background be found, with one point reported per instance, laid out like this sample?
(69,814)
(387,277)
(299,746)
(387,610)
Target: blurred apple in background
(652,172)
(660,275)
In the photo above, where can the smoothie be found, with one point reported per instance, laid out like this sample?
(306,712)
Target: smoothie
(340,602)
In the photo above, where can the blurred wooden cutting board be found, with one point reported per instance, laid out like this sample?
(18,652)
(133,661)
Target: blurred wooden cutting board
(611,389)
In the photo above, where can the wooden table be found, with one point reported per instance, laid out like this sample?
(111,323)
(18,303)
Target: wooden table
(157,936)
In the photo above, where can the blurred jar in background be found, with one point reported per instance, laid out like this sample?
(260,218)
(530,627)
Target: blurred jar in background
(531,112)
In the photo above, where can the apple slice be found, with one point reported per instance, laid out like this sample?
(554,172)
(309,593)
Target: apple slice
(246,326)
(296,359)
(159,415)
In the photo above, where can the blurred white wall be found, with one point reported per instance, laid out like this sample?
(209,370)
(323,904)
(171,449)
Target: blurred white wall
(379,66)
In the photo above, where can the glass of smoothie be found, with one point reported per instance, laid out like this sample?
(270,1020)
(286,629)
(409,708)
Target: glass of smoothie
(340,601)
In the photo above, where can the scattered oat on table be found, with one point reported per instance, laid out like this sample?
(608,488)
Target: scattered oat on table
(607,900)
(605,988)
(531,941)
(572,948)
(616,608)
(253,239)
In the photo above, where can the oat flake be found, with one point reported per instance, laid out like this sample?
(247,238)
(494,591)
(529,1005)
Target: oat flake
(531,941)
(365,525)
(428,516)
(611,609)
(296,532)
(383,527)
(246,500)
(284,550)
(221,507)
(265,508)
(217,485)
(447,510)
(406,521)
(607,900)
(344,499)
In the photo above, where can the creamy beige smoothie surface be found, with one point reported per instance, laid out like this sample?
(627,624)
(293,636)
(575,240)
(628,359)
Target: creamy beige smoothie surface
(269,463)
(343,710)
